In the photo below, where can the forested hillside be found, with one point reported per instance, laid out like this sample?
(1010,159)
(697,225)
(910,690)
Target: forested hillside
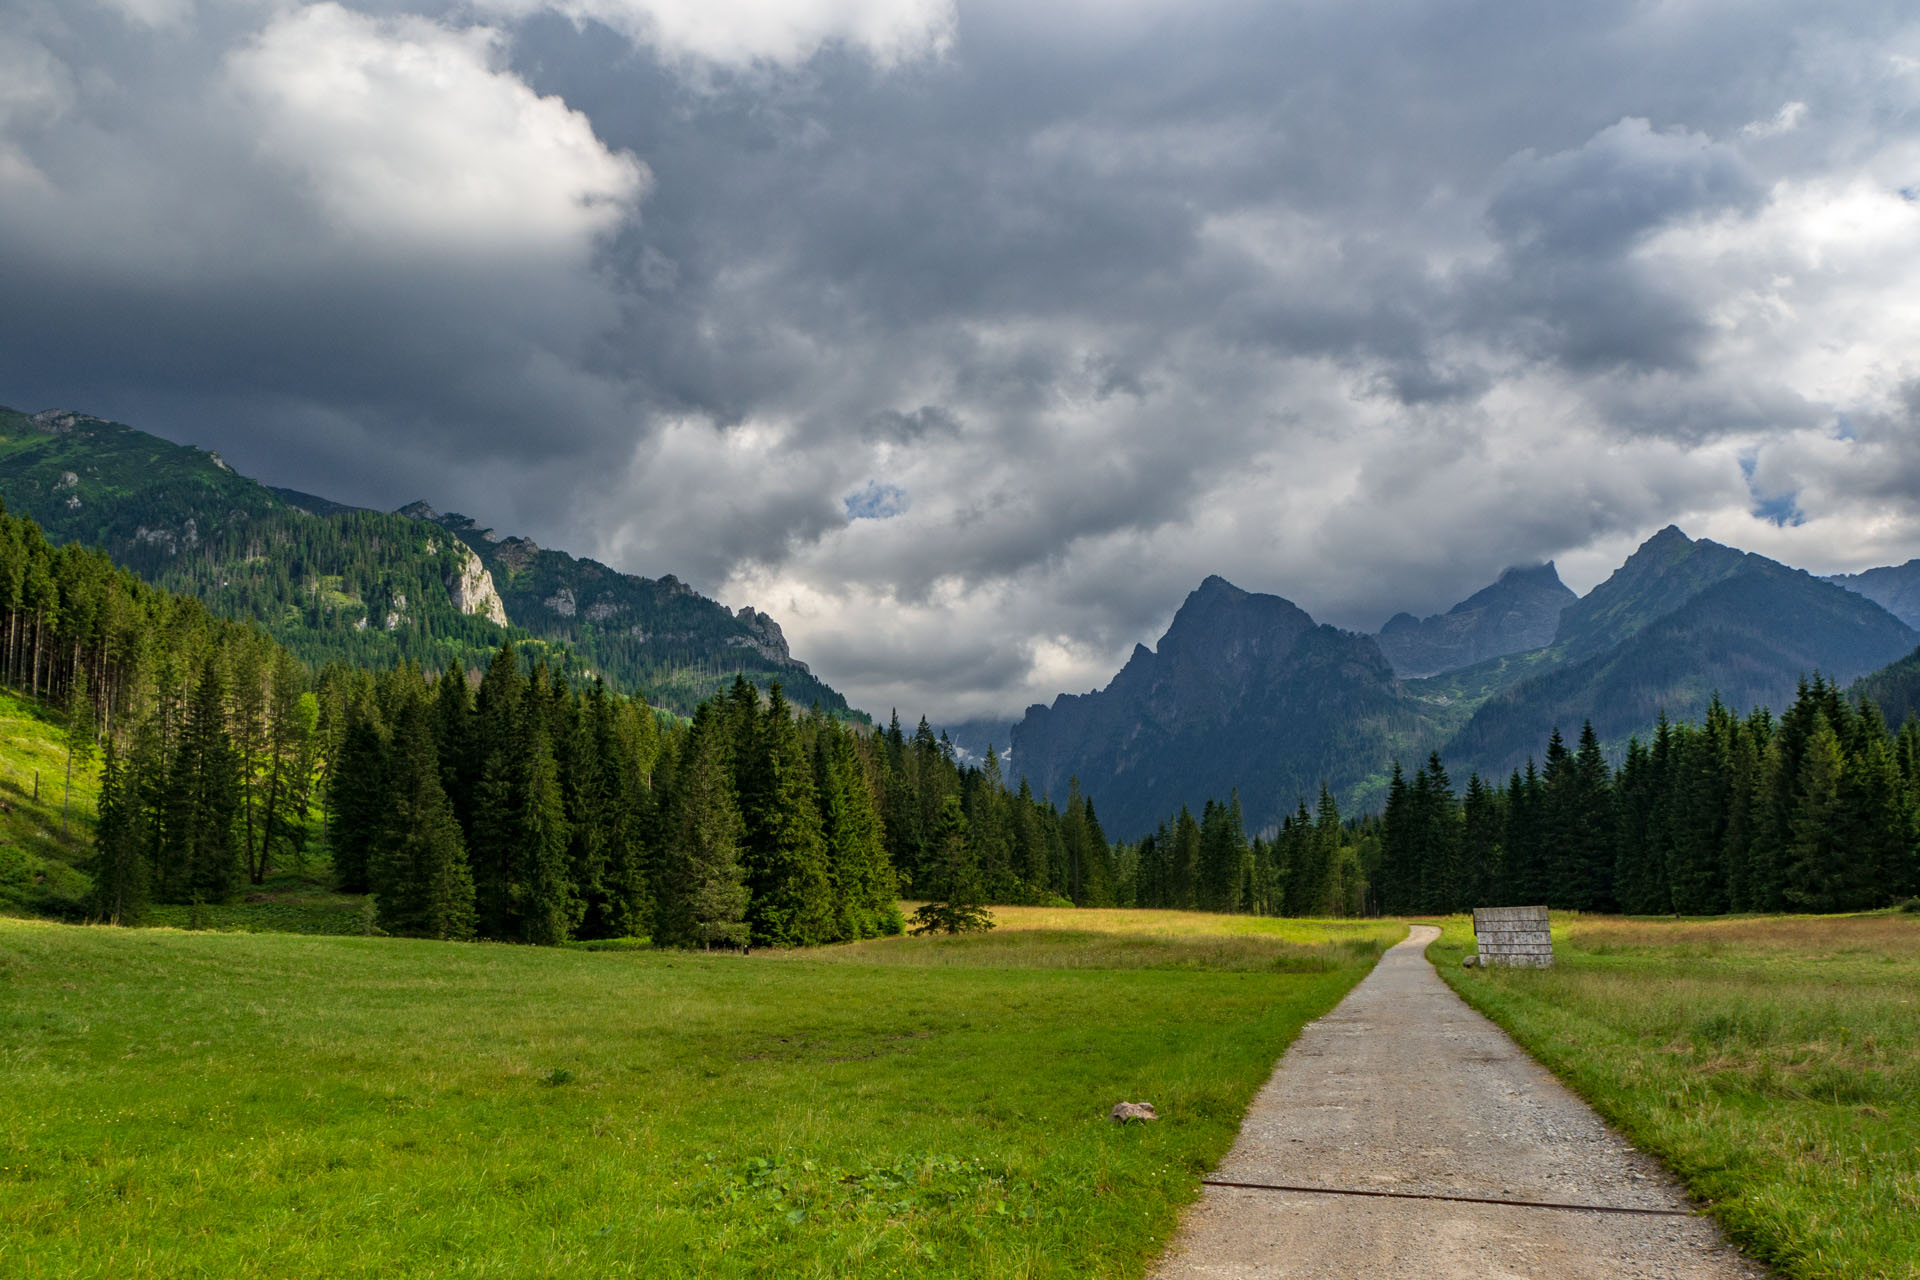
(1811,810)
(369,588)
(526,805)
(533,806)
(1895,688)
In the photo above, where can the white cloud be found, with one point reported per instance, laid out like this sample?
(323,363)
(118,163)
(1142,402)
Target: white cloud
(1789,118)
(36,88)
(742,32)
(409,132)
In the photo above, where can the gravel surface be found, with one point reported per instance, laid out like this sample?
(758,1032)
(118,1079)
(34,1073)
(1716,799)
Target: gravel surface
(1404,1088)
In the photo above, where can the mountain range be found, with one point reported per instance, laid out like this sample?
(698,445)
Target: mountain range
(333,581)
(1244,693)
(1247,694)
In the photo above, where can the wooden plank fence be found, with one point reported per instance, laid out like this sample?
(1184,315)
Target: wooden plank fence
(1517,936)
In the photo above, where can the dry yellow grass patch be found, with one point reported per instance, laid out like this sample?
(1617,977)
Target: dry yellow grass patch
(1093,938)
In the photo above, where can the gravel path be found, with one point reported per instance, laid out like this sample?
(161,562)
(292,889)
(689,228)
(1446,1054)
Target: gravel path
(1403,1088)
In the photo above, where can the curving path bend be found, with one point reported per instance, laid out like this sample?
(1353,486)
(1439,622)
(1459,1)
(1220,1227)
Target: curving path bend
(1403,1088)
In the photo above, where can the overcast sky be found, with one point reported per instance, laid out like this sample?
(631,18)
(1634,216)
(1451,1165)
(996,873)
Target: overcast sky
(966,338)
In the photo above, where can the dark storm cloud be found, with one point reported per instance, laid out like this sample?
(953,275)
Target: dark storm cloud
(1355,303)
(1568,221)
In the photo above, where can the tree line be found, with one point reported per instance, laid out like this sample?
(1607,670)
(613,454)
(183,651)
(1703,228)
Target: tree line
(533,805)
(1811,811)
(525,806)
(1316,864)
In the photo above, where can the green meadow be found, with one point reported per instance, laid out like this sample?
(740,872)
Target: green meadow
(207,1103)
(1774,1063)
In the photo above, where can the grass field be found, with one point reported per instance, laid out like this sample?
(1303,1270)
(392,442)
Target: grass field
(1774,1063)
(233,1104)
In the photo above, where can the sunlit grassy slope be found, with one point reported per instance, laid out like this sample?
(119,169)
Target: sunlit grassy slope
(224,1104)
(1773,1062)
(39,852)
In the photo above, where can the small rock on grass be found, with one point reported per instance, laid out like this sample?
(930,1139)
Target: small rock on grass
(1124,1111)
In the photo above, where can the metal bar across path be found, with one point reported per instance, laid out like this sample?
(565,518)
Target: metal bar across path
(1427,1195)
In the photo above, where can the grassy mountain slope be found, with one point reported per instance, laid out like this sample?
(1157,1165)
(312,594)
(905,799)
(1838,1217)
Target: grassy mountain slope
(1519,612)
(1667,571)
(45,835)
(367,587)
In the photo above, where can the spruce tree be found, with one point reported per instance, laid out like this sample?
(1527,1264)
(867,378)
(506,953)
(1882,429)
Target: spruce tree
(421,883)
(454,742)
(500,750)
(120,873)
(204,799)
(357,797)
(1184,862)
(1640,880)
(1589,820)
(1480,845)
(960,909)
(786,857)
(703,892)
(1397,873)
(547,906)
(1529,876)
(1815,854)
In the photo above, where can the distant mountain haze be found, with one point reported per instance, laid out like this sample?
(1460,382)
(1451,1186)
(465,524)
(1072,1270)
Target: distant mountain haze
(1520,611)
(1895,589)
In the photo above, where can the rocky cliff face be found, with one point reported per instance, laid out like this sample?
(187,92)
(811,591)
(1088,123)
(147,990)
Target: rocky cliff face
(471,587)
(1521,611)
(765,638)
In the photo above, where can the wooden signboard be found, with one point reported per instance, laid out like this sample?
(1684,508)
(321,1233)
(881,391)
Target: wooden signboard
(1513,936)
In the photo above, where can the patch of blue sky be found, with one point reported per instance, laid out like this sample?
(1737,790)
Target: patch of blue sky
(1783,511)
(876,502)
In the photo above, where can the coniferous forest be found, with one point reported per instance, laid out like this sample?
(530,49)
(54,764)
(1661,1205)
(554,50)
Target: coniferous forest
(1816,810)
(520,804)
(1813,810)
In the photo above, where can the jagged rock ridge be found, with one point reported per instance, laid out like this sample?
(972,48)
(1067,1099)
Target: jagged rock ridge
(1244,692)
